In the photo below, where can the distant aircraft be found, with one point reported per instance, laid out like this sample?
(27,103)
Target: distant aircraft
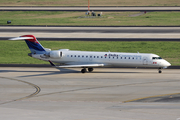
(89,60)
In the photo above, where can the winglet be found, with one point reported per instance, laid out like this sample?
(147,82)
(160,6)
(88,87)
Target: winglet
(52,64)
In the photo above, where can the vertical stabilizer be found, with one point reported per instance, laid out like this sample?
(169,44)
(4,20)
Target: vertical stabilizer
(33,44)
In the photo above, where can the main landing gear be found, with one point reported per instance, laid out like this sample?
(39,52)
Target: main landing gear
(159,70)
(84,70)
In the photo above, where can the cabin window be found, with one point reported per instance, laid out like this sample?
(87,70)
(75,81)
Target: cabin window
(86,56)
(109,57)
(74,55)
(94,56)
(124,57)
(78,55)
(71,55)
(121,57)
(90,56)
(129,58)
(101,56)
(82,56)
(97,56)
(113,57)
(133,58)
(117,57)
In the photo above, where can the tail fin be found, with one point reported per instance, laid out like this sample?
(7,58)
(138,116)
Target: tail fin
(33,44)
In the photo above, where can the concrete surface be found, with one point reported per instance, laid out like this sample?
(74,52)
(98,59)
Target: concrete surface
(85,8)
(105,94)
(92,32)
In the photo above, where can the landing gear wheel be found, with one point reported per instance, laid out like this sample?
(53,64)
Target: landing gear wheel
(83,70)
(160,70)
(90,69)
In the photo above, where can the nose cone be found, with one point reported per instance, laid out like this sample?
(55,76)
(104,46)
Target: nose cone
(167,64)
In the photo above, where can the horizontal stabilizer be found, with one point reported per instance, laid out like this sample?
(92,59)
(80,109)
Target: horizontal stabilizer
(77,66)
(21,38)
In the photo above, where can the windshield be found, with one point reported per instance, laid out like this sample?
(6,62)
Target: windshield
(156,58)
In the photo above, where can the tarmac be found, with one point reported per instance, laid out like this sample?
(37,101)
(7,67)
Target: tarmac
(94,8)
(90,33)
(105,94)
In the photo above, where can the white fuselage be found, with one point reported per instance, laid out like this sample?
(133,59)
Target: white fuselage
(107,58)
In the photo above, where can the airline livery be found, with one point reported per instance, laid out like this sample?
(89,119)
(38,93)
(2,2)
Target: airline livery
(87,60)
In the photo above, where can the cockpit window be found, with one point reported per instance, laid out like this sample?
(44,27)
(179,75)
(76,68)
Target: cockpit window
(156,58)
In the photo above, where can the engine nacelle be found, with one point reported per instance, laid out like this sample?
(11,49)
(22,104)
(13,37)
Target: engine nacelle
(55,54)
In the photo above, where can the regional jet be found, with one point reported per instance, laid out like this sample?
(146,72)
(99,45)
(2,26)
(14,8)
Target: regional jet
(87,60)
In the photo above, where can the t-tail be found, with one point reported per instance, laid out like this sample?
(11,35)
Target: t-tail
(33,44)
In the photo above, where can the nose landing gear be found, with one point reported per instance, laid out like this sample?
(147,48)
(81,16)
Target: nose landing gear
(159,70)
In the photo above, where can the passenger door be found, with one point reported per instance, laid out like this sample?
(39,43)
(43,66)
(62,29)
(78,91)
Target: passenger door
(145,61)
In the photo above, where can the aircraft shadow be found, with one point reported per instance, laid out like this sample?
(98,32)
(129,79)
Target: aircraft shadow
(61,71)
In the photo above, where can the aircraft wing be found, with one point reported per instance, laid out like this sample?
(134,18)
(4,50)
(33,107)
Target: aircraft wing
(77,66)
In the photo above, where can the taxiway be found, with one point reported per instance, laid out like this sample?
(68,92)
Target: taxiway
(93,33)
(67,94)
(85,8)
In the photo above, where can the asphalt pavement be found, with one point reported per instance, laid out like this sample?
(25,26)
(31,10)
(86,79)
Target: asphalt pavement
(85,8)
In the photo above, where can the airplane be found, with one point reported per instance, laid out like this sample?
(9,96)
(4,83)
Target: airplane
(88,59)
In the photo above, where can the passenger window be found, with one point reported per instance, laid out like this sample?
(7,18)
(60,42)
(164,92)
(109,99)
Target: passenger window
(74,55)
(83,56)
(86,56)
(129,58)
(97,56)
(101,56)
(78,55)
(71,55)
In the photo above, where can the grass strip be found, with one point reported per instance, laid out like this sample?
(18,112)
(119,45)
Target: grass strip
(15,52)
(80,19)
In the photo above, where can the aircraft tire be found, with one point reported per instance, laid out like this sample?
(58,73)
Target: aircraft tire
(90,69)
(83,70)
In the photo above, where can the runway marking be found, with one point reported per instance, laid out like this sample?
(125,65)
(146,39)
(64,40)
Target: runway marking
(150,97)
(38,89)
